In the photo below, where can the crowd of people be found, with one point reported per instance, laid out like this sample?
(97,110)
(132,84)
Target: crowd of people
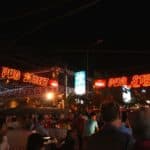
(86,129)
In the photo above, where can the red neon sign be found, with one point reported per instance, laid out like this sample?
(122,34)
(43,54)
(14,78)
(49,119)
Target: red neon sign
(10,73)
(136,81)
(34,79)
(140,81)
(53,83)
(100,83)
(146,80)
(116,82)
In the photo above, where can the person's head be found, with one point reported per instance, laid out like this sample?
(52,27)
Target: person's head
(35,142)
(140,123)
(93,115)
(110,112)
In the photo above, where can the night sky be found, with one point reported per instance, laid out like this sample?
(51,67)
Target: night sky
(106,37)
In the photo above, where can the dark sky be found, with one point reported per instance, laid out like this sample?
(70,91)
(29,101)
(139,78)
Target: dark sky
(114,34)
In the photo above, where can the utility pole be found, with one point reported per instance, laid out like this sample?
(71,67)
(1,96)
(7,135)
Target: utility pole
(66,82)
(87,70)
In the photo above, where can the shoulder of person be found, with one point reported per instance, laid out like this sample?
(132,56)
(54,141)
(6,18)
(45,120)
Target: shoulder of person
(4,144)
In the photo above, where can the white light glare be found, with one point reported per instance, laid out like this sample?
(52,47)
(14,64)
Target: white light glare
(143,91)
(148,101)
(126,94)
(82,102)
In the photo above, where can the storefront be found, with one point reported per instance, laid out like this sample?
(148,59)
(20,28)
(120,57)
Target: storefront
(127,90)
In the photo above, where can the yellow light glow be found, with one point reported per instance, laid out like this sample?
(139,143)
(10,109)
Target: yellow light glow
(50,96)
(13,104)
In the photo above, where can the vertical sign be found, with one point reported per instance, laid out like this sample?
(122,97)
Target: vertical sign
(80,83)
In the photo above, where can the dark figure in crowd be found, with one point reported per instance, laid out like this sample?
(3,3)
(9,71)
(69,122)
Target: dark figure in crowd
(35,142)
(39,127)
(141,129)
(109,137)
(125,126)
(70,142)
(3,138)
(78,125)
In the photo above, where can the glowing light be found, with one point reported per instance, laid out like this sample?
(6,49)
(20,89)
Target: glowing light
(100,83)
(10,73)
(143,91)
(34,79)
(148,101)
(126,94)
(80,83)
(82,102)
(136,81)
(53,83)
(50,95)
(116,82)
(13,104)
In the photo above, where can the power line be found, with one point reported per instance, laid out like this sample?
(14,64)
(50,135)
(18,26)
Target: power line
(119,51)
(67,14)
(27,14)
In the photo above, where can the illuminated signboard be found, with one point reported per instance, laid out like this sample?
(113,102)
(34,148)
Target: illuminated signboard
(34,79)
(100,83)
(80,83)
(135,81)
(115,82)
(140,81)
(10,73)
(126,94)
